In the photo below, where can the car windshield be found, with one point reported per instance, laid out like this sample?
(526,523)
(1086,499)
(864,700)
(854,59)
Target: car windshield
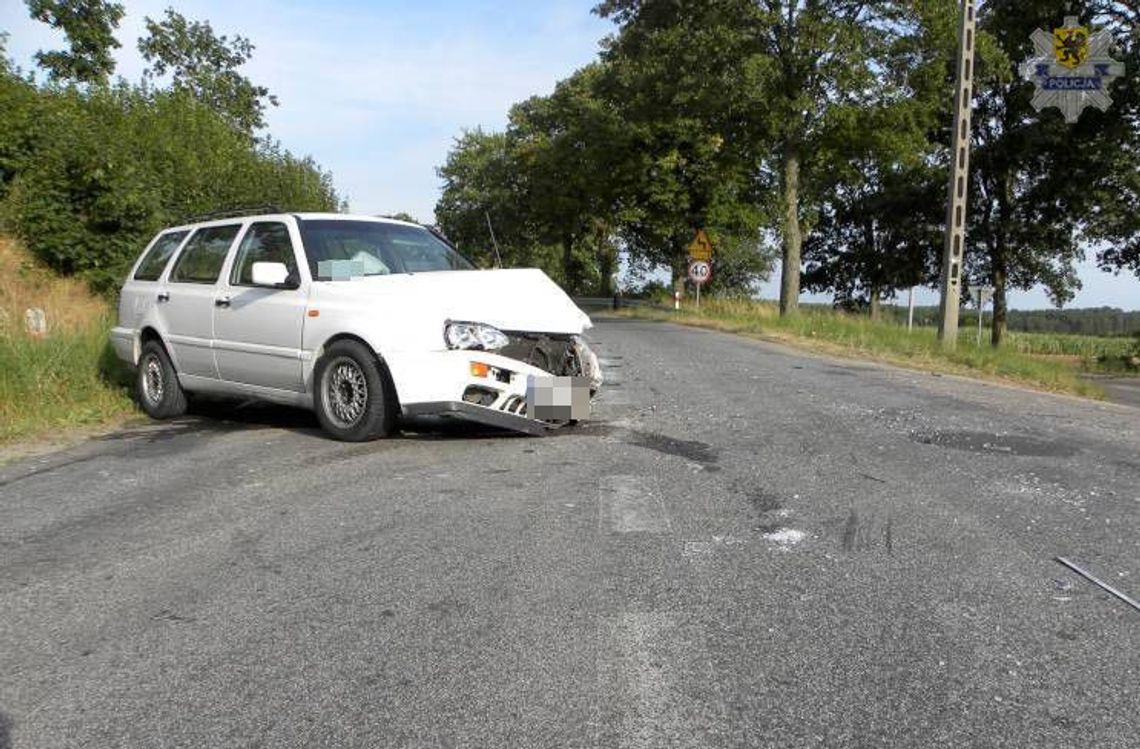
(339,249)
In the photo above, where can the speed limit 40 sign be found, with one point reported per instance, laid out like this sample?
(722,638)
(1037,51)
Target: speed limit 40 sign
(700,271)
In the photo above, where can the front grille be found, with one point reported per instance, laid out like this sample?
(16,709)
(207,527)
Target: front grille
(552,353)
(515,404)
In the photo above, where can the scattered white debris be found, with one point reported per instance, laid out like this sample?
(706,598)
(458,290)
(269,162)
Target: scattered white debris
(697,549)
(1032,485)
(785,538)
(694,549)
(727,540)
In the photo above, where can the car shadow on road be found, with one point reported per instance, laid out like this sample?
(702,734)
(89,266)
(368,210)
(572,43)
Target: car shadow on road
(5,731)
(219,416)
(210,416)
(444,428)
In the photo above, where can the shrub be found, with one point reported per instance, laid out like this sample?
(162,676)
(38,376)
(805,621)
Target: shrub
(88,176)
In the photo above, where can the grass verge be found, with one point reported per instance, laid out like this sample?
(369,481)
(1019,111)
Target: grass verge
(841,334)
(68,377)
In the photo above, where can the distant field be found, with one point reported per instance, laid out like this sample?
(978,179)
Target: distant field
(1027,358)
(1061,344)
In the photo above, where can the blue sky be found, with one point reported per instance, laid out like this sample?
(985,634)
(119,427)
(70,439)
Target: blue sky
(377,91)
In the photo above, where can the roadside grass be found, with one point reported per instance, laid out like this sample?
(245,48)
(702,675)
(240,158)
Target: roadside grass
(69,377)
(838,333)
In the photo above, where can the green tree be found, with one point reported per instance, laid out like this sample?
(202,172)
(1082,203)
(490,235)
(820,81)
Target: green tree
(881,160)
(876,236)
(671,76)
(545,186)
(89,26)
(107,167)
(1114,224)
(779,68)
(206,66)
(572,150)
(1041,188)
(688,115)
(481,185)
(21,123)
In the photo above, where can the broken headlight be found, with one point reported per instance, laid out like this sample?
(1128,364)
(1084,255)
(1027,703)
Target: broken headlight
(473,335)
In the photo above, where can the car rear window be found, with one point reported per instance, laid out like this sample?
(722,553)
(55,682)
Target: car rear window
(150,269)
(201,261)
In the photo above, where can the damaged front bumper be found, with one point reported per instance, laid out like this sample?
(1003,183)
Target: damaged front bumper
(496,390)
(480,415)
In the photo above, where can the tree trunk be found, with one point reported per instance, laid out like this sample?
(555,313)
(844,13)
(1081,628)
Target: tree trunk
(568,264)
(606,254)
(793,240)
(606,268)
(998,260)
(1000,308)
(875,293)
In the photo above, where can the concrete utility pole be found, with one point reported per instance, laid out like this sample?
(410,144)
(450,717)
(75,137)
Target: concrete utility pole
(959,174)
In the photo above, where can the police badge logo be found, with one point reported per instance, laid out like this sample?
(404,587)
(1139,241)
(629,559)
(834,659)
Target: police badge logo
(1072,69)
(1071,45)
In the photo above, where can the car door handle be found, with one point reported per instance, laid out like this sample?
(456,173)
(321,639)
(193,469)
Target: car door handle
(164,296)
(222,301)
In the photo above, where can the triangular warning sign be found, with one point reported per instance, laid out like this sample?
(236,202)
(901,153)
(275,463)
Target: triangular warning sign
(701,247)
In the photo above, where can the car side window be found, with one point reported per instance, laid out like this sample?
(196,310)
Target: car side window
(264,242)
(150,269)
(202,258)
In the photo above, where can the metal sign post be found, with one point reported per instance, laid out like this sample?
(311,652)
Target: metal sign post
(700,262)
(700,271)
(981,311)
(959,174)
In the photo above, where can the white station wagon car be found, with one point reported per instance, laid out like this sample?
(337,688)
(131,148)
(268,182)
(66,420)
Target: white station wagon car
(360,319)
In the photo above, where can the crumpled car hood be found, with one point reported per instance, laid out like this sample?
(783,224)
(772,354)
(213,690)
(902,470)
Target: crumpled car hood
(519,299)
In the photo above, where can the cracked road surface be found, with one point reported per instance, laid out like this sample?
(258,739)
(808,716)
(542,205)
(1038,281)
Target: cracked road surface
(750,546)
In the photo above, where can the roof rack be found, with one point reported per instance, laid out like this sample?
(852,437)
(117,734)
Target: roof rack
(253,210)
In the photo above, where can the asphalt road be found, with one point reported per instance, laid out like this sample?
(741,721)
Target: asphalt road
(1121,389)
(748,547)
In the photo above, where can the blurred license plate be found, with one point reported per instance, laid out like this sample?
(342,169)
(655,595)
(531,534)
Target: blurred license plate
(558,398)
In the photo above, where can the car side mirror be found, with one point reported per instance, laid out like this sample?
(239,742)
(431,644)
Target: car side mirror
(275,275)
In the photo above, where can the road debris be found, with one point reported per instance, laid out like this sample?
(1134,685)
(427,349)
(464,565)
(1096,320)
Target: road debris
(785,538)
(1103,586)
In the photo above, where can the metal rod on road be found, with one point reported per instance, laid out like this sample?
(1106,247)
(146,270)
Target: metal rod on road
(1104,586)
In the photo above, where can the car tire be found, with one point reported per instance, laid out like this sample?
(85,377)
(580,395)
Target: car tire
(156,383)
(353,393)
